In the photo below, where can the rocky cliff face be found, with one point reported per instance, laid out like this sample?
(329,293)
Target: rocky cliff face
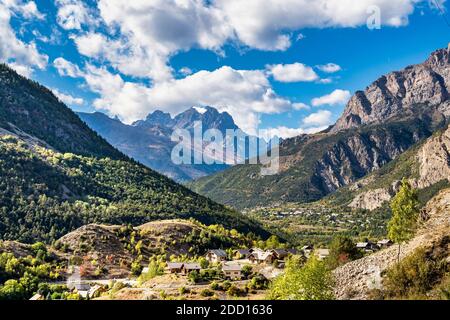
(432,165)
(395,113)
(390,95)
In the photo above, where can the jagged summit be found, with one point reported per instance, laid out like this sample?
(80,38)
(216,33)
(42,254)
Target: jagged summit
(210,117)
(390,95)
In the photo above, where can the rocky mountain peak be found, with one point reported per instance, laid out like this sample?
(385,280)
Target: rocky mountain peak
(426,83)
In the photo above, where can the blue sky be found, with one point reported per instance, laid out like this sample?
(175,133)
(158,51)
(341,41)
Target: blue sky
(264,64)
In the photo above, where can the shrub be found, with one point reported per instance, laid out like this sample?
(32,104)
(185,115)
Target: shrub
(258,282)
(183,290)
(413,276)
(313,281)
(234,291)
(215,286)
(206,293)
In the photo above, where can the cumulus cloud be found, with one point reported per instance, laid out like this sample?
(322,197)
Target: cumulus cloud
(322,118)
(22,56)
(67,98)
(67,68)
(329,68)
(268,27)
(141,36)
(300,106)
(296,72)
(73,14)
(242,93)
(337,97)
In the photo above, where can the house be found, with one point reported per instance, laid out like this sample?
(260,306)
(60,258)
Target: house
(253,250)
(241,254)
(294,252)
(232,271)
(175,267)
(322,254)
(37,297)
(280,254)
(145,270)
(258,257)
(216,256)
(307,250)
(367,246)
(385,243)
(190,267)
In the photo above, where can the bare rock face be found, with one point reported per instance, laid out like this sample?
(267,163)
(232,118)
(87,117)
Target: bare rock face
(371,200)
(434,160)
(426,83)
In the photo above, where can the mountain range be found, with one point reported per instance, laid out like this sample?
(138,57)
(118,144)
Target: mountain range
(58,174)
(379,124)
(149,141)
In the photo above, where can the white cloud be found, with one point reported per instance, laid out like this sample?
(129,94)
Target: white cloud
(329,68)
(22,56)
(73,14)
(295,72)
(152,31)
(141,36)
(300,106)
(326,80)
(242,93)
(268,26)
(67,98)
(66,68)
(286,133)
(322,118)
(185,71)
(337,97)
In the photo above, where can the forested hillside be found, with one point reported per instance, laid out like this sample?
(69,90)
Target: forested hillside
(57,174)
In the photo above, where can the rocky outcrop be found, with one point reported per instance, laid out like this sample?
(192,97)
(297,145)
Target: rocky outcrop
(363,152)
(433,166)
(434,160)
(390,95)
(371,200)
(355,279)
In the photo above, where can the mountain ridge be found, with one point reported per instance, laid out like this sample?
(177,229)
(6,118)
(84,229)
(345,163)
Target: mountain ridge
(149,141)
(313,166)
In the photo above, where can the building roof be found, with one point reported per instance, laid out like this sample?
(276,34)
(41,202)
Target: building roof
(192,266)
(261,255)
(219,252)
(37,297)
(323,252)
(280,252)
(362,244)
(174,265)
(232,267)
(385,241)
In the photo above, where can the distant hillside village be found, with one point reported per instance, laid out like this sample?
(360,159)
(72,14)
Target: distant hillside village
(233,263)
